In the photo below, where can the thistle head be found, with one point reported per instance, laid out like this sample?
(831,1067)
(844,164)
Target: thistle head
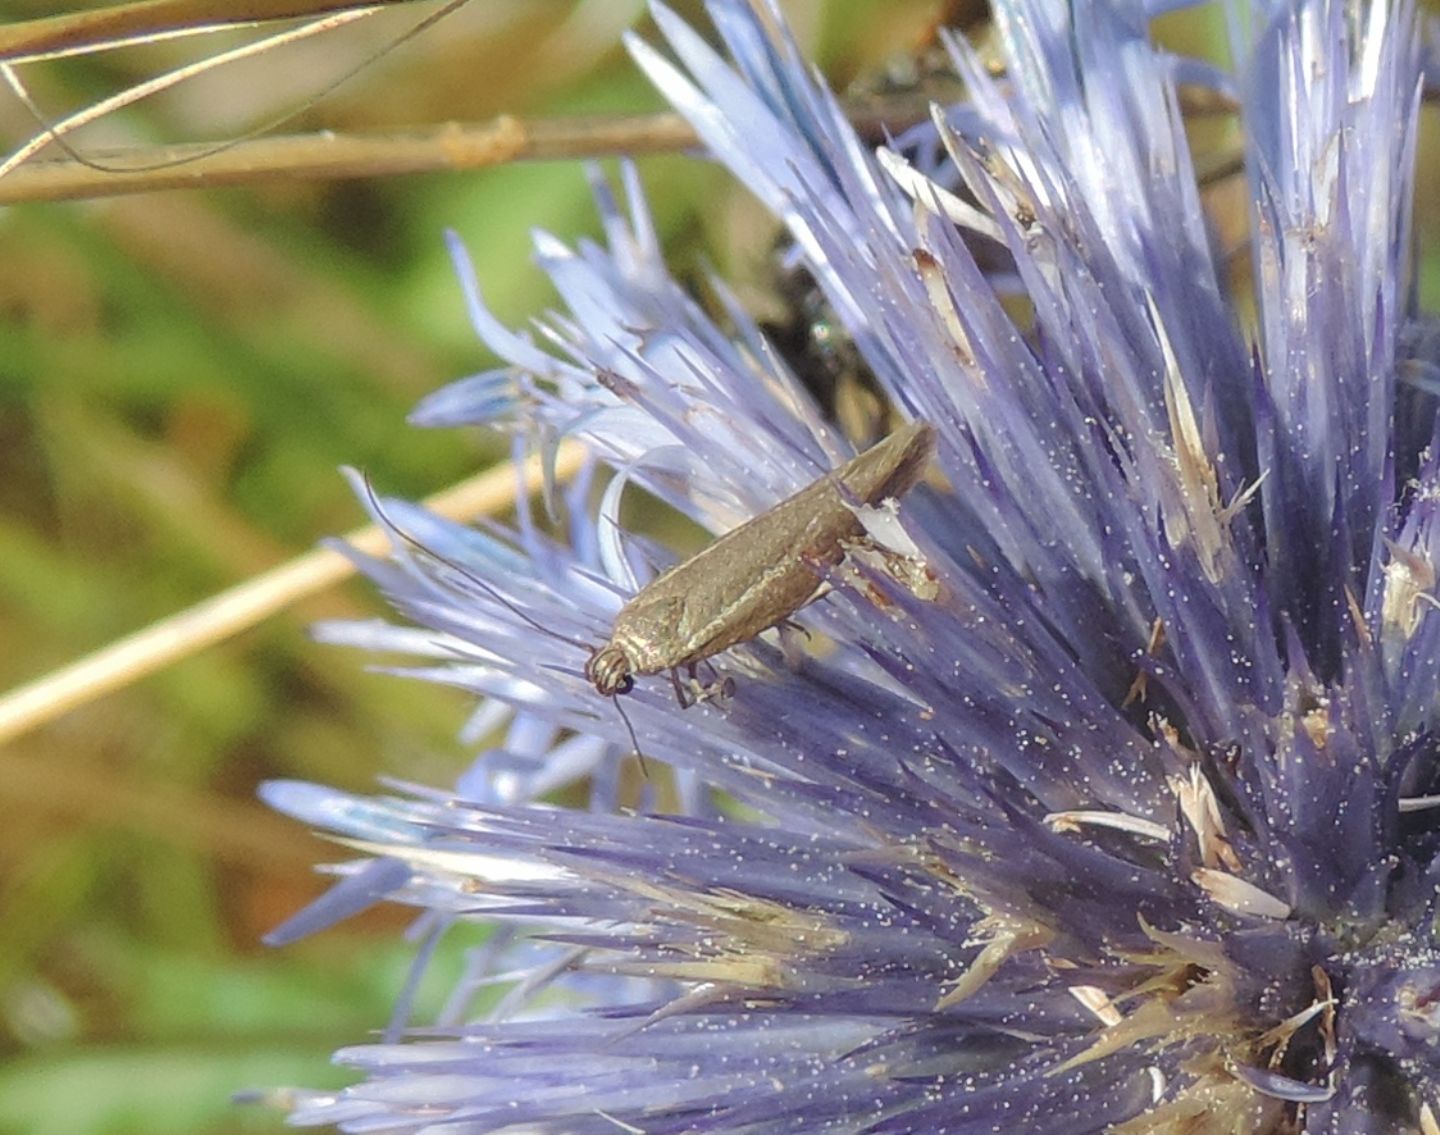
(1129,820)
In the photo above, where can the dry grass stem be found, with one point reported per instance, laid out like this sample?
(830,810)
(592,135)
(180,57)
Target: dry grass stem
(329,155)
(227,614)
(448,147)
(77,32)
(55,131)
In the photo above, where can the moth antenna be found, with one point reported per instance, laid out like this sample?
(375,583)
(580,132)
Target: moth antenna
(460,569)
(490,590)
(630,729)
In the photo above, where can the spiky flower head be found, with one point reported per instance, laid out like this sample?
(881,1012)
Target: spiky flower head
(1101,799)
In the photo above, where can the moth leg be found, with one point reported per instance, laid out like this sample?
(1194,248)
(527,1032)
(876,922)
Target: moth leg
(720,686)
(716,688)
(792,649)
(790,626)
(682,696)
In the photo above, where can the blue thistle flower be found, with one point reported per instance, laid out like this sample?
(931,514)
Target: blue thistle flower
(1114,810)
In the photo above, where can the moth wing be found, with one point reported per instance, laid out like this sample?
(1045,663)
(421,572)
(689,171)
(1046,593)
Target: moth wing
(647,629)
(770,597)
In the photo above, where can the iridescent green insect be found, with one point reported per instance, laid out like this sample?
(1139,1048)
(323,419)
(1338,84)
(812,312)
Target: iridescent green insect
(757,575)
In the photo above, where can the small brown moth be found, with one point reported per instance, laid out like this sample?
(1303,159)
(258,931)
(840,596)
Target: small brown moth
(757,575)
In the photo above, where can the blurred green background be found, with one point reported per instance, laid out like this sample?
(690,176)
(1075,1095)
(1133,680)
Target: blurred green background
(181,374)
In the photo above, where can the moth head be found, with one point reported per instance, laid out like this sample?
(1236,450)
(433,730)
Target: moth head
(608,670)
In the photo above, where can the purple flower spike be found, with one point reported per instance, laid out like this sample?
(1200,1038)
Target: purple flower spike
(1106,796)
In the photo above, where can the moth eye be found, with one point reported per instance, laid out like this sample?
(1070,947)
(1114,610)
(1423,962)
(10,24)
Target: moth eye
(625,685)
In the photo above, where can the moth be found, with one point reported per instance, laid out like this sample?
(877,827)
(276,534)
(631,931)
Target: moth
(757,575)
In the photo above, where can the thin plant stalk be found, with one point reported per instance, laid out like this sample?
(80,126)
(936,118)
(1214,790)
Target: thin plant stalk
(225,615)
(75,33)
